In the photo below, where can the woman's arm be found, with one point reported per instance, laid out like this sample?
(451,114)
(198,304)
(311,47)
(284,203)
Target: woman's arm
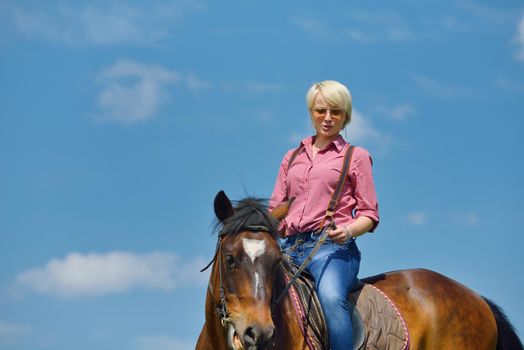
(279,195)
(343,233)
(366,209)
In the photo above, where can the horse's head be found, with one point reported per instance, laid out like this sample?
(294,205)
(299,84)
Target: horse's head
(245,269)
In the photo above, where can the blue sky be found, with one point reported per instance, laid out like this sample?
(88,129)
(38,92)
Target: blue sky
(119,122)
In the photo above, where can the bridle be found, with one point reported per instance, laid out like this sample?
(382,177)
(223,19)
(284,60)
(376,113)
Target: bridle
(221,306)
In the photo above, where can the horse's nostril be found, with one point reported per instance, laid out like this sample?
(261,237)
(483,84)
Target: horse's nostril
(251,335)
(258,335)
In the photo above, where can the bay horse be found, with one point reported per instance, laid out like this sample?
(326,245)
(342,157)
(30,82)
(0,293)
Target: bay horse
(439,312)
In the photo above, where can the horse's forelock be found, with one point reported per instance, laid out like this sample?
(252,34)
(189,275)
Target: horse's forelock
(248,212)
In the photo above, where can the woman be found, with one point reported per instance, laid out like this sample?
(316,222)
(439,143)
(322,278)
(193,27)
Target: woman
(311,178)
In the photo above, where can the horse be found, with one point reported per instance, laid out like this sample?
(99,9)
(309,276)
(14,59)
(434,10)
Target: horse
(439,312)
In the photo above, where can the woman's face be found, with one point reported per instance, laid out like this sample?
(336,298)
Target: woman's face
(327,121)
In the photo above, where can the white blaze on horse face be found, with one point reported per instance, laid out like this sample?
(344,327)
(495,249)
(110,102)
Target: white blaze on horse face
(256,284)
(254,248)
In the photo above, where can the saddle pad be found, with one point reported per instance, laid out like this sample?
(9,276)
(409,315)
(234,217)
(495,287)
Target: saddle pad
(377,323)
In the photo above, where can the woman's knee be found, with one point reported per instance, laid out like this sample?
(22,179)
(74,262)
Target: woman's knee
(332,299)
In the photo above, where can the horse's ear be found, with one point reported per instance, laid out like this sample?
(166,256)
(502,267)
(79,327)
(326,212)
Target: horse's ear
(280,212)
(223,206)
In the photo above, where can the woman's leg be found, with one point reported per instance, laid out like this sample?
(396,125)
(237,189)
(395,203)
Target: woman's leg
(335,268)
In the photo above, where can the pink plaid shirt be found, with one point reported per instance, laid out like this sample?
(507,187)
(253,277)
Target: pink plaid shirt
(312,183)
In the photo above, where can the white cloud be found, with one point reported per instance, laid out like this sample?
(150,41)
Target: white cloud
(398,113)
(519,39)
(388,26)
(362,27)
(510,84)
(312,26)
(380,25)
(487,15)
(133,92)
(402,112)
(361,36)
(99,23)
(163,343)
(417,218)
(465,218)
(88,275)
(471,219)
(452,24)
(264,87)
(131,69)
(440,89)
(362,131)
(9,330)
(264,117)
(195,84)
(250,87)
(296,136)
(308,24)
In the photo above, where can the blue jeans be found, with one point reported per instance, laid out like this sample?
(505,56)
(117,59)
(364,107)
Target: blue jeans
(334,269)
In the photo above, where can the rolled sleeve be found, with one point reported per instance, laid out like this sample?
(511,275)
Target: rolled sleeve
(364,187)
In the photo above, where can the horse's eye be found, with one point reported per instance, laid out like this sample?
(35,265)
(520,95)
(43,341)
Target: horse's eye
(230,261)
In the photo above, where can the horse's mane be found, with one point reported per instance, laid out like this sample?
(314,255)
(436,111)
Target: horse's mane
(248,212)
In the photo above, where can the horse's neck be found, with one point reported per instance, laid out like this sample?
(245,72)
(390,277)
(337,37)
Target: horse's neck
(213,335)
(290,335)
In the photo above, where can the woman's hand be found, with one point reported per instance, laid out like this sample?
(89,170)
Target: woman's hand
(340,235)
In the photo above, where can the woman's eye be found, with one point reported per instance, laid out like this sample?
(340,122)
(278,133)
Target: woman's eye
(336,112)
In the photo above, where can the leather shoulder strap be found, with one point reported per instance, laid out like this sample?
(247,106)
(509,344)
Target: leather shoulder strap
(341,181)
(340,184)
(294,155)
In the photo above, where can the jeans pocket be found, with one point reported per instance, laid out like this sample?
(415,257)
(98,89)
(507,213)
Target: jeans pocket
(294,245)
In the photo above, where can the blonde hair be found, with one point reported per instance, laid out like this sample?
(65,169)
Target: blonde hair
(335,94)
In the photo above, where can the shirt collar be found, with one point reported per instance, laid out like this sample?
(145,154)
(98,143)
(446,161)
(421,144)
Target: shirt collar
(339,142)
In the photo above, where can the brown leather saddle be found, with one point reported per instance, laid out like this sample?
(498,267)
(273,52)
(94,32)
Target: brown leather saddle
(377,323)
